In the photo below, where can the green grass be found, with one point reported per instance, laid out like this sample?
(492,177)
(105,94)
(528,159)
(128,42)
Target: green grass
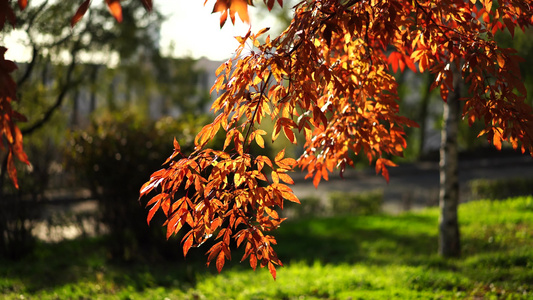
(361,257)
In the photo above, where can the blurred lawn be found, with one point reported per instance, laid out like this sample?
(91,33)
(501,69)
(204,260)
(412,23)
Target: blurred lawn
(357,257)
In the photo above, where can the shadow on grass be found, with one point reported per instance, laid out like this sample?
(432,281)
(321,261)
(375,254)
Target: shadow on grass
(86,260)
(380,239)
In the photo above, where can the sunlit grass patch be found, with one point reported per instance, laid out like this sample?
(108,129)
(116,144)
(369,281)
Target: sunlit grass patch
(347,257)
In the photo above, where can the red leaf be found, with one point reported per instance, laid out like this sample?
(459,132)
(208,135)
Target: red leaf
(6,12)
(23,4)
(289,134)
(148,5)
(80,12)
(393,60)
(270,4)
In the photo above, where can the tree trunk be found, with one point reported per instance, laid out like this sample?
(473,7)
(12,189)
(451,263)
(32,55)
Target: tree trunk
(449,240)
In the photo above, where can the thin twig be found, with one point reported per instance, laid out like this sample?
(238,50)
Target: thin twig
(257,109)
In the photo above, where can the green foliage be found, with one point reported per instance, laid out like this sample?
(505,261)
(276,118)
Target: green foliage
(339,204)
(367,203)
(309,207)
(363,257)
(501,188)
(113,157)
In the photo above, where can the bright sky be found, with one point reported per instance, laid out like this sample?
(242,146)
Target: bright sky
(190,26)
(196,32)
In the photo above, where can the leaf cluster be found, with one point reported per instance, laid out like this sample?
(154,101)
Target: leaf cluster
(328,76)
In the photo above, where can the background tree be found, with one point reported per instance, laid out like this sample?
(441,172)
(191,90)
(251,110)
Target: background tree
(54,68)
(103,77)
(63,65)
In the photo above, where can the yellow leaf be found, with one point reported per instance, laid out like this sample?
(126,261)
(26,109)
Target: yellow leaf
(260,141)
(501,61)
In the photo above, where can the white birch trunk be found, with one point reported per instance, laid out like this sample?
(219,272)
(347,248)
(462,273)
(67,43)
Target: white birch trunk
(449,240)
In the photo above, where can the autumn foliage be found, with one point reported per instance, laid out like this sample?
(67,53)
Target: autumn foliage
(328,76)
(10,135)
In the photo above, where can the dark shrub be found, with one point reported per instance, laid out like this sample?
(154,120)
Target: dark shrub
(498,189)
(115,156)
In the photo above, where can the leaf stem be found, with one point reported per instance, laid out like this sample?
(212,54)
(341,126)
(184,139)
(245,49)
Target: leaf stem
(265,84)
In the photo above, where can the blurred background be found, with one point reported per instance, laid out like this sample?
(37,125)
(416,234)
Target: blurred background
(104,102)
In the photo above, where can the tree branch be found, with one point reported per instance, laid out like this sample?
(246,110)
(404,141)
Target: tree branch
(59,100)
(35,51)
(29,69)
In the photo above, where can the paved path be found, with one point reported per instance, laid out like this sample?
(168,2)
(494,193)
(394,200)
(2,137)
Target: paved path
(416,185)
(411,186)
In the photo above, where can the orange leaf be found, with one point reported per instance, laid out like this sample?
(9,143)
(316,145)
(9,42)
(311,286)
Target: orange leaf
(152,212)
(80,12)
(272,270)
(501,60)
(290,196)
(381,166)
(187,245)
(286,178)
(115,9)
(176,145)
(280,155)
(287,163)
(11,170)
(260,141)
(220,261)
(223,18)
(155,199)
(317,178)
(222,7)
(497,139)
(213,251)
(240,7)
